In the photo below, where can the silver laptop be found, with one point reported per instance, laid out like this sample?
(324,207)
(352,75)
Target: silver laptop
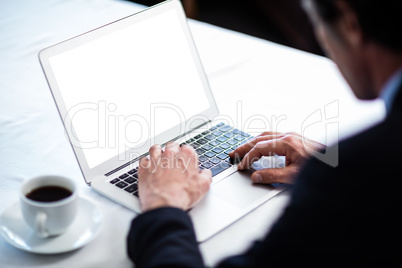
(137,82)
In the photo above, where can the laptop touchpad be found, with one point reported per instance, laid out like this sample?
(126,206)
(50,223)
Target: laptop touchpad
(238,190)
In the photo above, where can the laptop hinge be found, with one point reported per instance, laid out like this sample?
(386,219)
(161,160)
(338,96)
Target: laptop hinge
(138,158)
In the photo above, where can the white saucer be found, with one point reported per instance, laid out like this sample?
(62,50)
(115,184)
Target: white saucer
(85,227)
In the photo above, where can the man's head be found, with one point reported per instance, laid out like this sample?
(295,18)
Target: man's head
(361,36)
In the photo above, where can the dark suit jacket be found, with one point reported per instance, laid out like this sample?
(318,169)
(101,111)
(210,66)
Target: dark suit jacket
(337,217)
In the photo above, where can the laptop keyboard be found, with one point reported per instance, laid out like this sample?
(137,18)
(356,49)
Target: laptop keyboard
(212,147)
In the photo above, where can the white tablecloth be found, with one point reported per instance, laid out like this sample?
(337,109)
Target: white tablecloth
(257,84)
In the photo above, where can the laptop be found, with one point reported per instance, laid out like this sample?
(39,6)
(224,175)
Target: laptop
(137,82)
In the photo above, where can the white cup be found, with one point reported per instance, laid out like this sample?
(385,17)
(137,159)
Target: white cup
(48,218)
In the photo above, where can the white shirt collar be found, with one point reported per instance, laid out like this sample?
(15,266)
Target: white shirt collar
(390,89)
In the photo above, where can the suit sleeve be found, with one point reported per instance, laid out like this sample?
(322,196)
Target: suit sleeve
(163,237)
(331,216)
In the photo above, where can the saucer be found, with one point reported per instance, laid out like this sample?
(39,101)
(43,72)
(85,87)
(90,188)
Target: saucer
(85,227)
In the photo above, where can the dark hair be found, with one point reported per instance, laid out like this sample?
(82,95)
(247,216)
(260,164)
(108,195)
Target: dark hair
(381,20)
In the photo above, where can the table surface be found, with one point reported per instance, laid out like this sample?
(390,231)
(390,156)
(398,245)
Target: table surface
(258,85)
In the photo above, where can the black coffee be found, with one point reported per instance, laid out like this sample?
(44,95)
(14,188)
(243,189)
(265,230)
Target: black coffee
(49,194)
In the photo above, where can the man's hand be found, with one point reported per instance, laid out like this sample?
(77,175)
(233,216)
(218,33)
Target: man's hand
(292,145)
(171,178)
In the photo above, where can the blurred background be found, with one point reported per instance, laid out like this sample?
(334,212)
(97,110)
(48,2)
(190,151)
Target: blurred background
(280,21)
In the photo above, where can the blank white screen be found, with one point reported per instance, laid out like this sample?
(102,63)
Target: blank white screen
(109,86)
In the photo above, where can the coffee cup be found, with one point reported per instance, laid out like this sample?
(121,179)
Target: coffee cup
(49,204)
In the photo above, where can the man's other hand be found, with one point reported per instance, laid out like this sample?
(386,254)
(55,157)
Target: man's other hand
(292,145)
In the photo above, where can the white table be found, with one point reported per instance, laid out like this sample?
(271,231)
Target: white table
(257,84)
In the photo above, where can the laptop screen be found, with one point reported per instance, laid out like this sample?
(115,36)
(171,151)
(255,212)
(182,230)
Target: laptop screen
(127,86)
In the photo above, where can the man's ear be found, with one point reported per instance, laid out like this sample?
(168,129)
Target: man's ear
(349,26)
